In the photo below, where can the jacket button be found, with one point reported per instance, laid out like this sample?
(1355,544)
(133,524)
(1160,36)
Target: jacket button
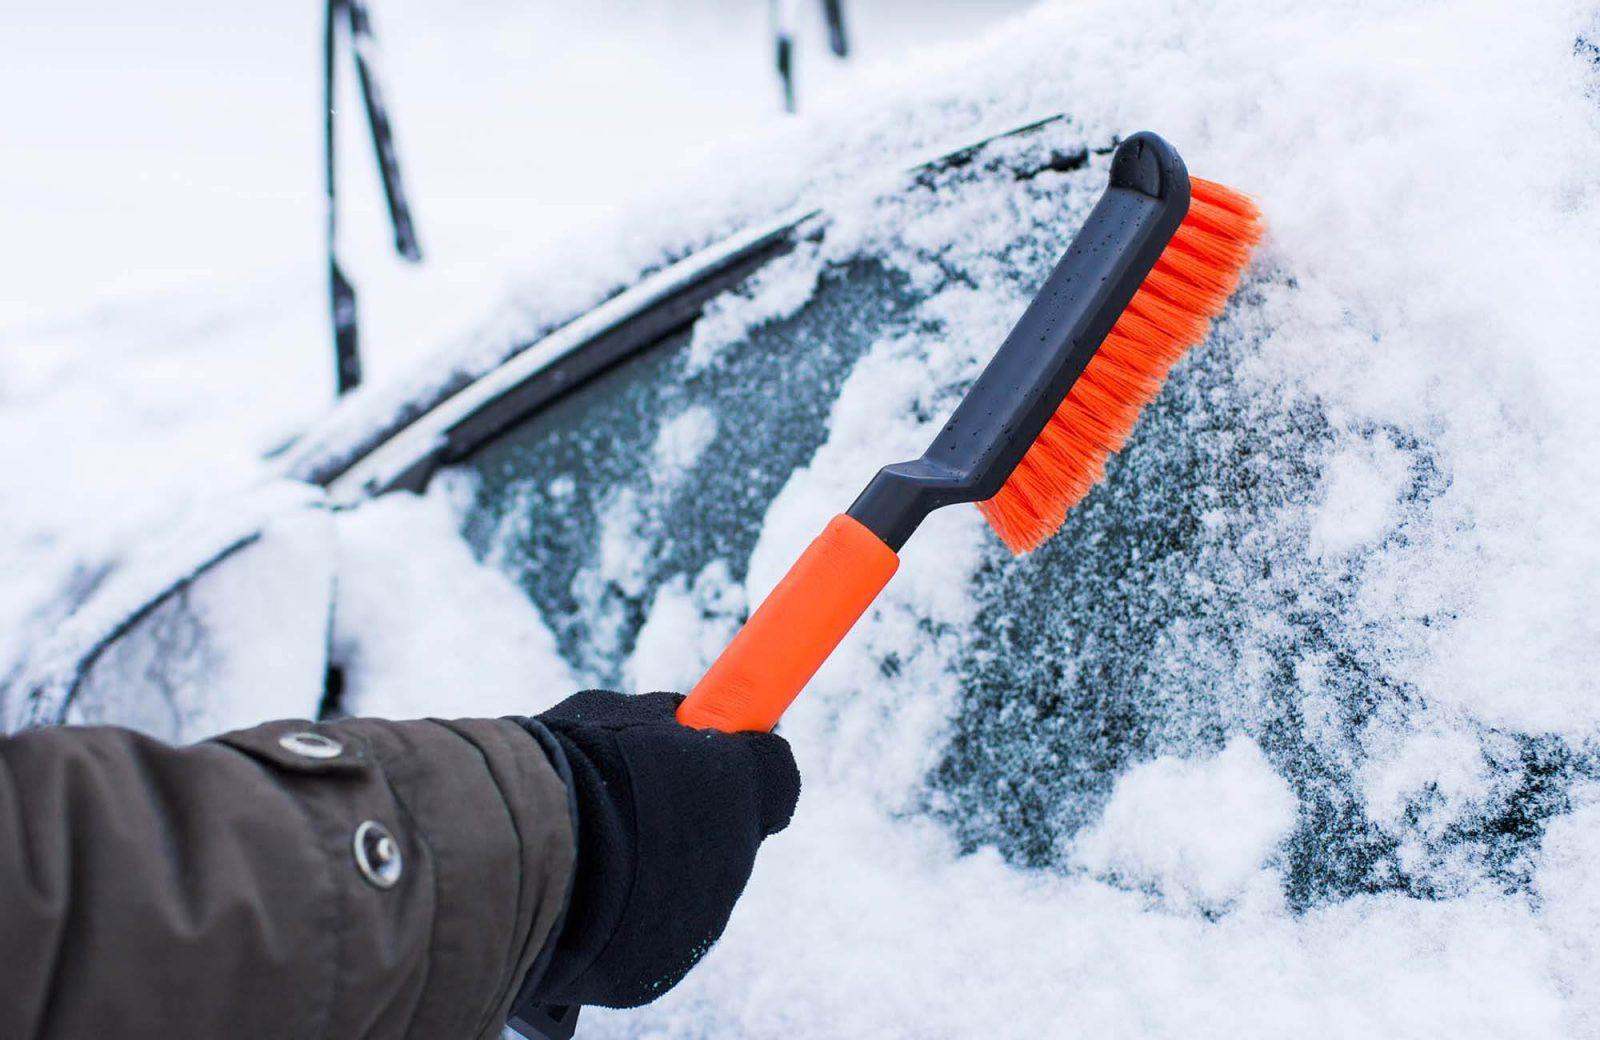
(311,745)
(377,854)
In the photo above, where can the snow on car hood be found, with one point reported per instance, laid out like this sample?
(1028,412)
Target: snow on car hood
(1351,642)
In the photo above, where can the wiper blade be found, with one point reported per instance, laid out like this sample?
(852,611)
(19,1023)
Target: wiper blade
(353,17)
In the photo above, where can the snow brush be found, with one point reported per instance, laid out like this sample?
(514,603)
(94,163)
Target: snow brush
(1153,264)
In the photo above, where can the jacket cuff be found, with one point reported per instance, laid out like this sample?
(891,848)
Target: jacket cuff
(493,816)
(526,996)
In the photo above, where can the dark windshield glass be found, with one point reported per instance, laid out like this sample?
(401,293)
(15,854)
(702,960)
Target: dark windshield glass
(1184,602)
(663,452)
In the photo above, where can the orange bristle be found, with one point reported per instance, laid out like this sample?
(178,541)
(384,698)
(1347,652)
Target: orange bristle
(1170,313)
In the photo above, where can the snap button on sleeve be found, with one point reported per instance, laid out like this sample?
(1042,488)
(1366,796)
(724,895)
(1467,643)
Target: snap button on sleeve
(311,745)
(377,854)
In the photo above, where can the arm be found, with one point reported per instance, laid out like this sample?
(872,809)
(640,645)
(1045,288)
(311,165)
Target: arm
(216,890)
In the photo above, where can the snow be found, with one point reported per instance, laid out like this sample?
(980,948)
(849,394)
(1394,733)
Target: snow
(1380,608)
(682,441)
(422,628)
(1362,485)
(1569,890)
(198,664)
(195,666)
(688,625)
(1198,831)
(908,939)
(776,291)
(106,439)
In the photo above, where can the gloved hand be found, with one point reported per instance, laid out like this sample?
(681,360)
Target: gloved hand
(669,821)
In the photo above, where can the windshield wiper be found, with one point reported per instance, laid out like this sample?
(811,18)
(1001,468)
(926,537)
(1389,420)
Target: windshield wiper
(352,17)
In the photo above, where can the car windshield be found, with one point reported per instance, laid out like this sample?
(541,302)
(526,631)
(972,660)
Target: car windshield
(659,473)
(637,510)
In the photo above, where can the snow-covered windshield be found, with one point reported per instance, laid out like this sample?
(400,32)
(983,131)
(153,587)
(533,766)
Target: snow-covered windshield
(630,510)
(650,484)
(1191,729)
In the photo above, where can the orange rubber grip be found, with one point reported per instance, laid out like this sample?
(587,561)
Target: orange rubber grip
(793,631)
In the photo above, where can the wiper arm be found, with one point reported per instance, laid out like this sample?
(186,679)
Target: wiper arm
(353,17)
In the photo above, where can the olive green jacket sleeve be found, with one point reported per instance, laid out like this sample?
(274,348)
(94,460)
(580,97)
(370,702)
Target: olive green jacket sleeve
(356,879)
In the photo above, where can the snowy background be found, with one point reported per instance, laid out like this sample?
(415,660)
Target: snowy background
(162,276)
(1381,647)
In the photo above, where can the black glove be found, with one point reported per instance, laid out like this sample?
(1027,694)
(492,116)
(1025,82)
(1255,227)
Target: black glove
(669,820)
